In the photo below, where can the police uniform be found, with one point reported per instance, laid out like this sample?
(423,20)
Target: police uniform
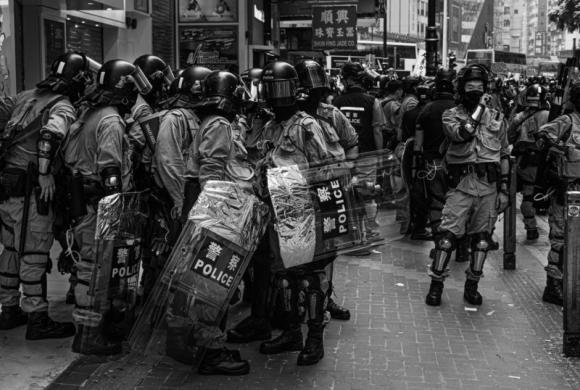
(300,141)
(473,164)
(522,130)
(564,130)
(430,122)
(365,114)
(29,269)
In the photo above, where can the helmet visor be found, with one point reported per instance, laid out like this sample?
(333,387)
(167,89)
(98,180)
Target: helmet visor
(317,78)
(93,65)
(143,85)
(168,75)
(279,89)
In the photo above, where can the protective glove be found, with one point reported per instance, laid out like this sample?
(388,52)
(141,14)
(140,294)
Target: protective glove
(66,263)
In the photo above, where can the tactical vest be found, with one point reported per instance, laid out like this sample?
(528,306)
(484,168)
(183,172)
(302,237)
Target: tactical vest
(325,118)
(237,168)
(81,148)
(569,165)
(358,108)
(527,130)
(29,107)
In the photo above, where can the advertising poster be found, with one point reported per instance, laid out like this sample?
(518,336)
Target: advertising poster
(7,51)
(213,47)
(208,11)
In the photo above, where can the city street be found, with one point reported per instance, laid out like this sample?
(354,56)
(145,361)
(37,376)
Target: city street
(393,340)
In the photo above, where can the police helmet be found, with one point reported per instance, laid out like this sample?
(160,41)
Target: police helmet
(444,80)
(69,74)
(473,72)
(156,70)
(425,91)
(251,75)
(534,96)
(352,70)
(118,83)
(311,75)
(279,84)
(222,90)
(383,81)
(190,80)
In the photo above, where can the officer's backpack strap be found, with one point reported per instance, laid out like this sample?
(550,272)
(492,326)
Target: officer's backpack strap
(150,128)
(31,128)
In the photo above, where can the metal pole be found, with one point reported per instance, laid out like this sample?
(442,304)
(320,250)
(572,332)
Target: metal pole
(509,222)
(431,40)
(385,53)
(444,48)
(571,280)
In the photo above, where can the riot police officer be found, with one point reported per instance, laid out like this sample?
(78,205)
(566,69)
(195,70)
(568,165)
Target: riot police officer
(294,137)
(216,153)
(97,154)
(366,115)
(340,136)
(159,77)
(478,167)
(429,138)
(34,124)
(521,133)
(177,127)
(561,136)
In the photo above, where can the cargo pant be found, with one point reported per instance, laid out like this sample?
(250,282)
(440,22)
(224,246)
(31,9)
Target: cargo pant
(557,222)
(436,190)
(29,270)
(527,179)
(84,233)
(466,214)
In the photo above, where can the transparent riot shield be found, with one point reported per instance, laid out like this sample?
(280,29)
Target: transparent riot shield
(190,298)
(115,279)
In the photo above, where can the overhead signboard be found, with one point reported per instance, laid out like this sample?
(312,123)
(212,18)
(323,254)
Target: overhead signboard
(334,27)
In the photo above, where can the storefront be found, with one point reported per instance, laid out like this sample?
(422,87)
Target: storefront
(103,29)
(221,34)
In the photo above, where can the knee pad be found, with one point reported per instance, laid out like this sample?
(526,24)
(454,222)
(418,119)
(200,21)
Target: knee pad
(444,247)
(479,247)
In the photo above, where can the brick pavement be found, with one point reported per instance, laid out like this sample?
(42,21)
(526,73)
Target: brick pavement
(394,341)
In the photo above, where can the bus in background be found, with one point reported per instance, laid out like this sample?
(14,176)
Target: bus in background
(500,62)
(549,69)
(402,56)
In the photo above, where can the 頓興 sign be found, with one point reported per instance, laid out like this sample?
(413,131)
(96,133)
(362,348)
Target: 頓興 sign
(334,27)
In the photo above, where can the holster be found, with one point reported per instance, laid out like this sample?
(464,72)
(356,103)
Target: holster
(12,183)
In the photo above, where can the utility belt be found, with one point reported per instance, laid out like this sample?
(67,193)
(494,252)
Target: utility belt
(490,171)
(13,183)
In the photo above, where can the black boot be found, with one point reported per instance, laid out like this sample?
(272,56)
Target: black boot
(223,362)
(12,317)
(250,329)
(117,324)
(289,340)
(90,341)
(313,350)
(532,234)
(435,291)
(179,345)
(41,326)
(336,311)
(553,291)
(471,294)
(421,234)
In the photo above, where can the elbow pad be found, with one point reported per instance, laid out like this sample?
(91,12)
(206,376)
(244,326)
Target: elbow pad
(47,146)
(111,180)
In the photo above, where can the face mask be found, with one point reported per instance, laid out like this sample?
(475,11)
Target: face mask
(471,98)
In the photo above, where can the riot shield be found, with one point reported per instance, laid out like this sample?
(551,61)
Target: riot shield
(203,271)
(114,281)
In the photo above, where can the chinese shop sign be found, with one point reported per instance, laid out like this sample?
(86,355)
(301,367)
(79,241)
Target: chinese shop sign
(334,27)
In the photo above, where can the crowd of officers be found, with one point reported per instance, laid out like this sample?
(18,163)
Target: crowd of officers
(89,131)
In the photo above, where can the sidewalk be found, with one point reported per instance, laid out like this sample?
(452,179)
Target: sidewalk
(393,340)
(33,365)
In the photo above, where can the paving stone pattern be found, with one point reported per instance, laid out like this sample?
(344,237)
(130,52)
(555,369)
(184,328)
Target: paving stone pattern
(393,340)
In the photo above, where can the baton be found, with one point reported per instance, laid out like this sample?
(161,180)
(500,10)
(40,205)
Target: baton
(30,172)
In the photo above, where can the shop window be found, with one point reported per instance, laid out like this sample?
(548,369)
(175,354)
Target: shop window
(85,36)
